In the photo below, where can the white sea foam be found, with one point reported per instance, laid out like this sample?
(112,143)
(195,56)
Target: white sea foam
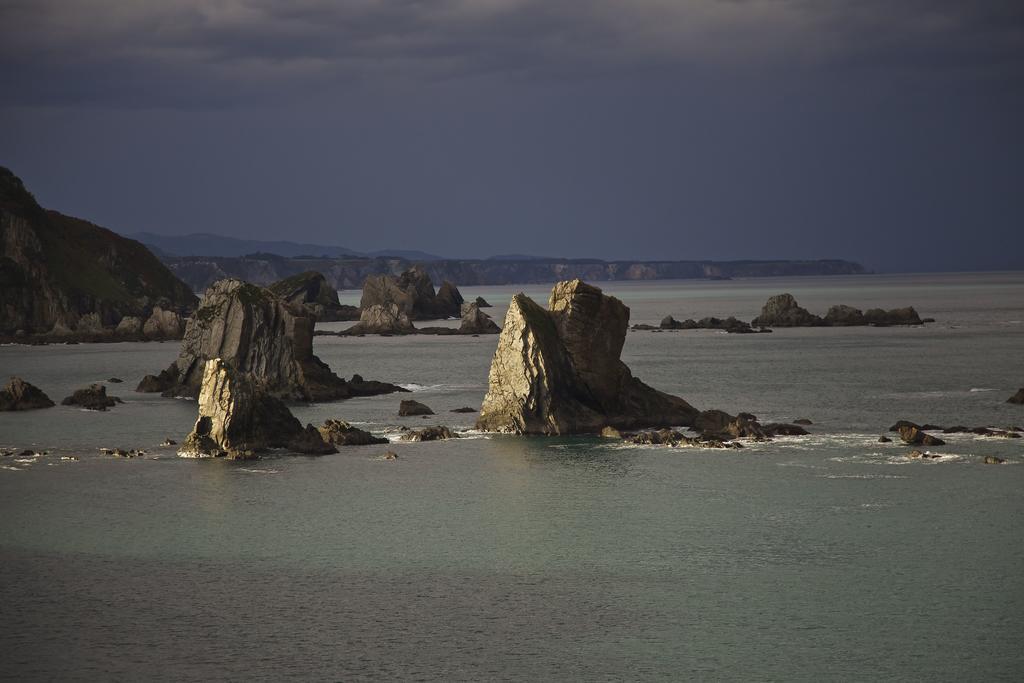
(975,390)
(12,469)
(256,470)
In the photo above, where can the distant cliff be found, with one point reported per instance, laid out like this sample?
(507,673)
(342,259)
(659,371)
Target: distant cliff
(349,273)
(64,275)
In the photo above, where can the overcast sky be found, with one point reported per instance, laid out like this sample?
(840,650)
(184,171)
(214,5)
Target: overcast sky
(885,131)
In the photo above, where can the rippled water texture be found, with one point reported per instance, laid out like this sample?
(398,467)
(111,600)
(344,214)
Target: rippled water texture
(827,557)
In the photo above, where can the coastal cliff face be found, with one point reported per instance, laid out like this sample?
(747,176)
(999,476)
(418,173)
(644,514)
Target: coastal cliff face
(65,276)
(350,273)
(558,371)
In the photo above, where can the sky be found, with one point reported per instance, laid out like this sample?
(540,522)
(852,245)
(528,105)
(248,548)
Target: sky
(890,132)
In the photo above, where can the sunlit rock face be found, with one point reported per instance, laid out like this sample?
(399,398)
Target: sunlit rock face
(558,370)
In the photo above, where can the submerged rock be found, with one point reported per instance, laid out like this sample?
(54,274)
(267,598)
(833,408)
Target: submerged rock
(410,408)
(238,418)
(93,397)
(341,433)
(250,329)
(558,371)
(20,395)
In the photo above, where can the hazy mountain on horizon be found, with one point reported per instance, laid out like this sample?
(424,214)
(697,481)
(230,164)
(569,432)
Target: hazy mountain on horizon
(210,244)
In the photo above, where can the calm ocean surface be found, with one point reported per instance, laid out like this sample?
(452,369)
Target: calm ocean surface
(827,557)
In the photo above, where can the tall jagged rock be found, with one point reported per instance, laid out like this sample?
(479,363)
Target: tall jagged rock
(65,276)
(475,321)
(253,331)
(558,371)
(413,293)
(237,419)
(312,291)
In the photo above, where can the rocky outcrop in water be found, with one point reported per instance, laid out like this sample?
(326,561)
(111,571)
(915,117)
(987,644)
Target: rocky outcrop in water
(93,397)
(20,395)
(341,433)
(782,310)
(482,302)
(412,408)
(720,425)
(473,322)
(911,434)
(237,419)
(558,371)
(1017,398)
(311,290)
(251,330)
(387,318)
(436,433)
(730,325)
(413,293)
(63,278)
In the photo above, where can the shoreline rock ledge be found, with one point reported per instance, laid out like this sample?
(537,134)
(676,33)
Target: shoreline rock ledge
(558,370)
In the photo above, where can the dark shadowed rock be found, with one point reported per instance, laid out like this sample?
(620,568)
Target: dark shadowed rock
(482,303)
(409,408)
(895,316)
(802,421)
(884,439)
(1017,398)
(253,331)
(341,433)
(310,442)
(160,383)
(312,291)
(238,418)
(915,436)
(844,315)
(558,371)
(475,321)
(93,397)
(712,421)
(731,325)
(465,409)
(782,310)
(430,434)
(20,395)
(413,293)
(993,460)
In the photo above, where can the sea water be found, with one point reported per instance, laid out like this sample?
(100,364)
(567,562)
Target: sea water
(824,557)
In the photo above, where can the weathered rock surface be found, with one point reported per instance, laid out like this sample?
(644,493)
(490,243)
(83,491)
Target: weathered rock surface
(1017,398)
(20,395)
(238,418)
(163,325)
(341,433)
(386,318)
(782,310)
(671,437)
(93,397)
(475,321)
(430,434)
(165,381)
(311,290)
(411,408)
(993,460)
(63,276)
(253,331)
(558,371)
(720,425)
(413,293)
(482,302)
(910,434)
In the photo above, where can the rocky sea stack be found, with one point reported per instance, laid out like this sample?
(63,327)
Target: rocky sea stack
(237,419)
(20,395)
(63,278)
(312,291)
(782,310)
(413,293)
(253,331)
(558,371)
(1017,398)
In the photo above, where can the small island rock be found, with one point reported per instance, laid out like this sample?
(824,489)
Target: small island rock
(20,395)
(93,397)
(410,408)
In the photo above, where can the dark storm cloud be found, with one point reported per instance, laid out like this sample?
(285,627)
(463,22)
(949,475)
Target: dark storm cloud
(196,53)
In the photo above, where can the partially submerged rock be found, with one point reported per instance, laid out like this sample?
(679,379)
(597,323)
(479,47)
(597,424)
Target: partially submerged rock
(481,302)
(464,409)
(341,433)
(475,321)
(993,460)
(429,434)
(238,418)
(671,437)
(312,291)
(730,325)
(410,408)
(253,331)
(558,371)
(93,397)
(782,310)
(720,425)
(1017,398)
(913,435)
(20,395)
